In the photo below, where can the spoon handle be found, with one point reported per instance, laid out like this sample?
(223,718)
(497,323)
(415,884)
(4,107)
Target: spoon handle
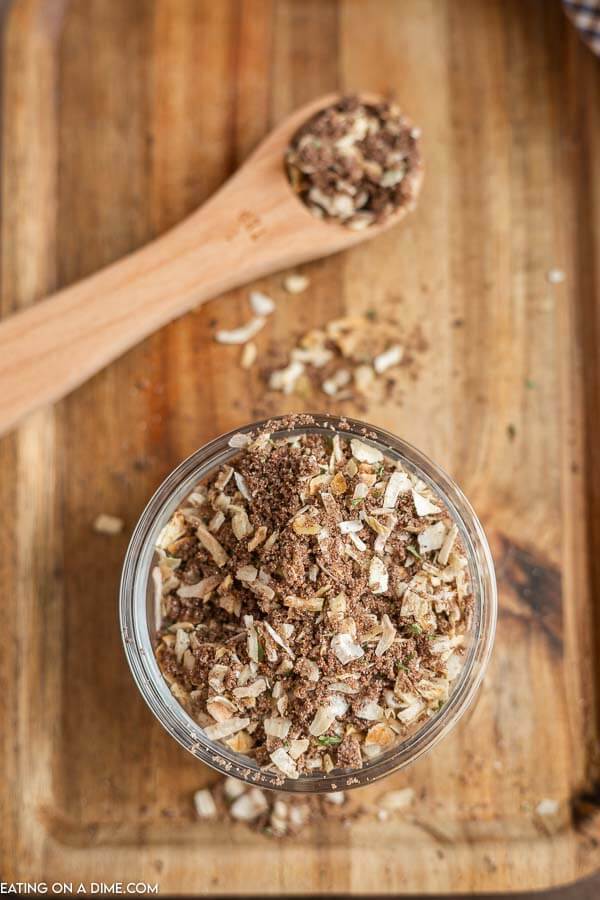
(52,347)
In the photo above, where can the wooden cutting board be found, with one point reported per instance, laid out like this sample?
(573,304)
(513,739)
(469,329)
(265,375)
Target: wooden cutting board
(118,118)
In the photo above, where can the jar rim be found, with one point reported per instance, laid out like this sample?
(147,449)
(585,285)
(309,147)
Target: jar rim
(137,637)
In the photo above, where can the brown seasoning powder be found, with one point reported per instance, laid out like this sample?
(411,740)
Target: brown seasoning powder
(313,600)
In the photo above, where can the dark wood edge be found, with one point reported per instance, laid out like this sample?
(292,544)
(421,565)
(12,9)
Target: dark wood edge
(586,889)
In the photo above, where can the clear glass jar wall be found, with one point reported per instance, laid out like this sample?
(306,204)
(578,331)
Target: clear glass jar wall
(138,625)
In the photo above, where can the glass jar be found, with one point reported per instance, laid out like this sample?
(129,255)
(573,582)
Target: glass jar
(138,626)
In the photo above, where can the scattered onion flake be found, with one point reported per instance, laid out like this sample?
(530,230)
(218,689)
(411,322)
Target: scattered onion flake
(432,538)
(262,590)
(249,355)
(157,584)
(278,727)
(365,452)
(338,380)
(310,604)
(302,524)
(411,712)
(233,787)
(313,356)
(391,357)
(454,665)
(217,520)
(242,486)
(377,526)
(251,690)
(380,736)
(378,576)
(254,635)
(448,544)
(322,721)
(182,642)
(338,706)
(261,304)
(342,687)
(239,440)
(210,543)
(107,524)
(388,635)
(370,710)
(285,379)
(173,530)
(295,284)
(220,708)
(547,807)
(298,747)
(226,728)
(350,526)
(358,542)
(259,537)
(201,589)
(360,492)
(243,334)
(253,646)
(423,506)
(241,525)
(336,607)
(398,483)
(224,477)
(247,573)
(278,640)
(249,805)
(205,805)
(285,763)
(345,648)
(364,379)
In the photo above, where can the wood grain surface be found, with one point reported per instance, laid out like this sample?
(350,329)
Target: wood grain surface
(251,227)
(119,117)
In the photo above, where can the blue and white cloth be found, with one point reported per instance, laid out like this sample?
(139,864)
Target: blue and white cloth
(585,15)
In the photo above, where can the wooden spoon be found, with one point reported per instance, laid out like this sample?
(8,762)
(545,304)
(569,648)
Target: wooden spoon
(252,226)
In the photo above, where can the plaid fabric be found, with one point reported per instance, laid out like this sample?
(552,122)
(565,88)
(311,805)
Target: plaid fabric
(585,15)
